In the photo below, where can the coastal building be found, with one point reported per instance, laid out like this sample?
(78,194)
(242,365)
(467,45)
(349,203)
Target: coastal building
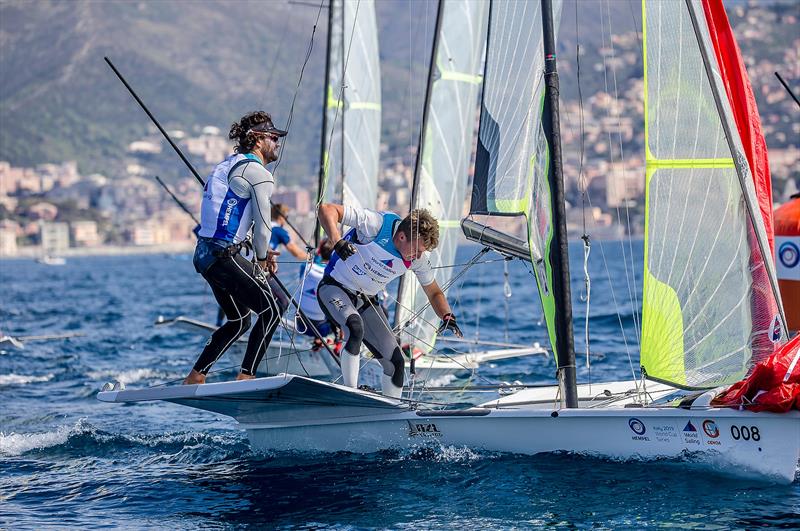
(8,237)
(85,233)
(54,237)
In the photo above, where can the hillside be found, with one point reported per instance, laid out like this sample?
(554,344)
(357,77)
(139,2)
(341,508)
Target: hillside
(205,63)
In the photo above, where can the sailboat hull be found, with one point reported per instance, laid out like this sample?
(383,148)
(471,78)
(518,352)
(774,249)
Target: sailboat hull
(731,442)
(293,413)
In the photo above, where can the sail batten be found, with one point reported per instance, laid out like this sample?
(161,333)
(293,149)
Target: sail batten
(704,302)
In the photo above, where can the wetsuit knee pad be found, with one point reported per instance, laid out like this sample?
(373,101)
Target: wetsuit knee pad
(355,326)
(399,364)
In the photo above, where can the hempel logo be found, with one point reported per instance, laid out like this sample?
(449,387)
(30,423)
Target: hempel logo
(231,203)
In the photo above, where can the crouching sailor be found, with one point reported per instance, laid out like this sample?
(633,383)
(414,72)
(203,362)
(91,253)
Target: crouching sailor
(379,248)
(236,198)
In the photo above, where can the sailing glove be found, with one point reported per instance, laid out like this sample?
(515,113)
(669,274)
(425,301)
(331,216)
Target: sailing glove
(449,323)
(344,249)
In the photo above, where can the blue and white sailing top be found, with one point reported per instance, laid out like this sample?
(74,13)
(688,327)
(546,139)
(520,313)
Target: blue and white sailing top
(377,261)
(236,197)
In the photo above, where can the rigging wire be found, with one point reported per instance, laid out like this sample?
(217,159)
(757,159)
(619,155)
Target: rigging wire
(299,82)
(630,274)
(587,280)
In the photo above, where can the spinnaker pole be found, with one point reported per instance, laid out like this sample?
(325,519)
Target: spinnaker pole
(559,251)
(421,144)
(174,146)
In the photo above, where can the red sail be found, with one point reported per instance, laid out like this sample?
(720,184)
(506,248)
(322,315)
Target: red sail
(774,384)
(743,104)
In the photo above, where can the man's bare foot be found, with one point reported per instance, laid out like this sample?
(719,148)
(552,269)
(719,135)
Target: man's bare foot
(243,376)
(195,378)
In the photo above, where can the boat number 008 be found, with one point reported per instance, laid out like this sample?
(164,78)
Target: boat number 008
(745,433)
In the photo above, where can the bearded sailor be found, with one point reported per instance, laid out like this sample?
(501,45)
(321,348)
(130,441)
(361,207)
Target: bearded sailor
(379,248)
(236,200)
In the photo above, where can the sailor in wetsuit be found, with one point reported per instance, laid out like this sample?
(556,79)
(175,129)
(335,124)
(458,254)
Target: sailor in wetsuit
(236,198)
(379,248)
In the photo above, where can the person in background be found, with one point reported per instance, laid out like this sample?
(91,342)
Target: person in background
(310,277)
(378,249)
(280,236)
(236,200)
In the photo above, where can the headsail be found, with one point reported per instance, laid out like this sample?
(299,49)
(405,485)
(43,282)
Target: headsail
(705,265)
(351,139)
(512,159)
(440,180)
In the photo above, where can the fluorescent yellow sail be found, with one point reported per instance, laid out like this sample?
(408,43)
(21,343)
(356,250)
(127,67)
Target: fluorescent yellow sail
(700,245)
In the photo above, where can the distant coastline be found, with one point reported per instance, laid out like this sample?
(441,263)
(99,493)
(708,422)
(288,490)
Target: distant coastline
(29,253)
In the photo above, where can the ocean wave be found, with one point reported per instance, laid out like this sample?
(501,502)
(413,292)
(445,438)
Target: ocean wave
(86,439)
(18,443)
(22,379)
(130,376)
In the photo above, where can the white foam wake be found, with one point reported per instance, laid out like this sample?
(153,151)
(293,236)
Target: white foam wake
(22,379)
(127,377)
(19,443)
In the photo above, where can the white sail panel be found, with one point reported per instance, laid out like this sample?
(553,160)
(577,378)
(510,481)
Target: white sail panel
(441,180)
(704,271)
(353,105)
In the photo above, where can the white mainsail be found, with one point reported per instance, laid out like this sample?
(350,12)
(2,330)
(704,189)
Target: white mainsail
(352,106)
(708,311)
(443,163)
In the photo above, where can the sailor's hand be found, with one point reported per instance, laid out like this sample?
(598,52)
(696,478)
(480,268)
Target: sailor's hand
(344,249)
(271,263)
(449,323)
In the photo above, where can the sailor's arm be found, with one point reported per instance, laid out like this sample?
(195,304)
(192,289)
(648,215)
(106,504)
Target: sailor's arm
(261,192)
(442,308)
(437,299)
(330,216)
(296,251)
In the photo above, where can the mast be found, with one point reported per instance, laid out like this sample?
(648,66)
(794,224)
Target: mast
(322,143)
(421,144)
(559,250)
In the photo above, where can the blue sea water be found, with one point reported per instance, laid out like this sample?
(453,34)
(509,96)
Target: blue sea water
(67,460)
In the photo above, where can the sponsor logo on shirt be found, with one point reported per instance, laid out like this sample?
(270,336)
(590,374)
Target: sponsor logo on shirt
(229,210)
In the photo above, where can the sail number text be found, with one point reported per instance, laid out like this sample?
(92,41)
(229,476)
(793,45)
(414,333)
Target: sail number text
(745,433)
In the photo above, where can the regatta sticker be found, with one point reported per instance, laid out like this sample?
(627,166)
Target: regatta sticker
(388,263)
(710,427)
(418,429)
(665,432)
(777,329)
(637,427)
(789,254)
(690,435)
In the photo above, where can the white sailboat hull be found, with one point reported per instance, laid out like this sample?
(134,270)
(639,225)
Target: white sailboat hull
(291,413)
(603,433)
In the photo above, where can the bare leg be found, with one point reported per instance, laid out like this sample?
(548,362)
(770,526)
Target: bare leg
(195,377)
